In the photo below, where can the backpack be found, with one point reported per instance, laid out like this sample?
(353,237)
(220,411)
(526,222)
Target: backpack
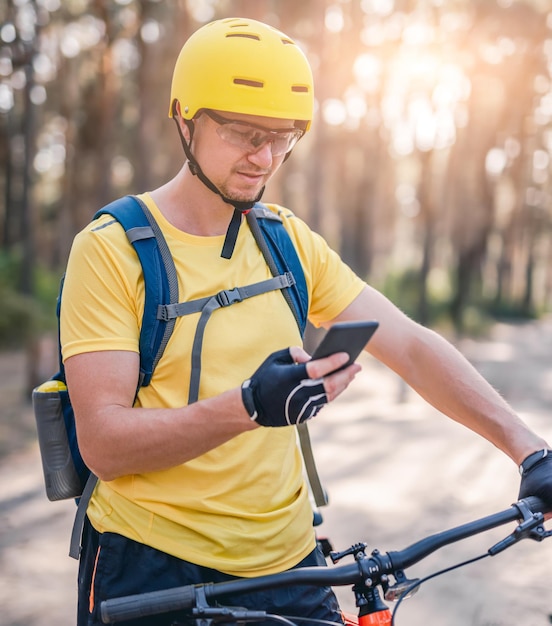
(65,473)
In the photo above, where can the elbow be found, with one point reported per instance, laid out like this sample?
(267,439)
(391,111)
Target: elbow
(102,471)
(100,446)
(100,462)
(105,475)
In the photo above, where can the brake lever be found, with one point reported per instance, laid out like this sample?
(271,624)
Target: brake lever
(530,528)
(207,615)
(226,614)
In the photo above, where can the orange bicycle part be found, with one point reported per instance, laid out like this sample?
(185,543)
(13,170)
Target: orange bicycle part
(380,618)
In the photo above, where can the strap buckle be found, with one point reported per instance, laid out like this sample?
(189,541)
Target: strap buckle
(165,312)
(229,296)
(290,278)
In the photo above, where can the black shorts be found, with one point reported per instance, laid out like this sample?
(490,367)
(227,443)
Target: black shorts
(112,566)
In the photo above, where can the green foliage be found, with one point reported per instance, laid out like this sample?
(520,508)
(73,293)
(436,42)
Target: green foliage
(16,317)
(404,289)
(510,310)
(20,314)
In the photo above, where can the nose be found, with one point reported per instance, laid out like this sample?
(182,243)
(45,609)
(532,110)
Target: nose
(262,157)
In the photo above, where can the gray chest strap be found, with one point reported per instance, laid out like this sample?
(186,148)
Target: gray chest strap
(206,306)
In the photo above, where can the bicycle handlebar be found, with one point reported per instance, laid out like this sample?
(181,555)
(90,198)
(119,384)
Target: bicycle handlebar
(419,550)
(374,567)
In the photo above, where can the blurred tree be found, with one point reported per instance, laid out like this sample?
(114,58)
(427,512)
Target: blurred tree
(501,104)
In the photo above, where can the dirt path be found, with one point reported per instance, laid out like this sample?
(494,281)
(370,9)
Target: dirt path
(395,470)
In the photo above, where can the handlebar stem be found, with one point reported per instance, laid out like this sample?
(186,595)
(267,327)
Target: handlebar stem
(374,567)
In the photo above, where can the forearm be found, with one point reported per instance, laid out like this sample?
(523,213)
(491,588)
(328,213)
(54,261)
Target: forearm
(117,439)
(442,375)
(121,440)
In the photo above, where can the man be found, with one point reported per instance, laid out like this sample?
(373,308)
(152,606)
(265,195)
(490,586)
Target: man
(205,490)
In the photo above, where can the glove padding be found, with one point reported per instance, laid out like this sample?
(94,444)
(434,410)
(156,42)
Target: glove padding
(280,393)
(537,481)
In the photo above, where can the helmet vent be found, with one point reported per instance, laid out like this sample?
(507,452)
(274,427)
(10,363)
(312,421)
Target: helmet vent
(287,42)
(300,88)
(247,82)
(244,35)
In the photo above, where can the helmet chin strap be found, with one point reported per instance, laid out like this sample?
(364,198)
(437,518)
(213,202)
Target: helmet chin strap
(240,207)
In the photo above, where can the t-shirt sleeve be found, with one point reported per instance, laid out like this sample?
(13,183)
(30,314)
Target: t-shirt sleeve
(102,298)
(332,284)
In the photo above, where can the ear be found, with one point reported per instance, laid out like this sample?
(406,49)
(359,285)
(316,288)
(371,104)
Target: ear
(183,125)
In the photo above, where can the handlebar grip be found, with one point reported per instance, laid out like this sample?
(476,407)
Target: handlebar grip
(536,505)
(150,603)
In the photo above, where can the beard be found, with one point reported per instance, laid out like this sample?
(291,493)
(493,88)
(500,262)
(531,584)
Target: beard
(252,194)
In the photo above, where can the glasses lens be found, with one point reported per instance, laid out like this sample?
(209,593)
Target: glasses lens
(250,138)
(291,138)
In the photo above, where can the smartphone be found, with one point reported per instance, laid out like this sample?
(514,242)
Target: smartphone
(350,337)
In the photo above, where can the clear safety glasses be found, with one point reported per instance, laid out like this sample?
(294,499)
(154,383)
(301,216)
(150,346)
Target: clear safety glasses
(251,137)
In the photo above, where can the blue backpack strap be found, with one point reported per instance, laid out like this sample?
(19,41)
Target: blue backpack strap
(160,287)
(282,258)
(160,280)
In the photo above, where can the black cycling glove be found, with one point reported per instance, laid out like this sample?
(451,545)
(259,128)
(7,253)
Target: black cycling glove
(536,476)
(280,393)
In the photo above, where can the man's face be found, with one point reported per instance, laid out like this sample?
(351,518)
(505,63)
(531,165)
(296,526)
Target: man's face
(235,151)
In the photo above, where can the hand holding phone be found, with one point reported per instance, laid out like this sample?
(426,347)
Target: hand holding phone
(349,337)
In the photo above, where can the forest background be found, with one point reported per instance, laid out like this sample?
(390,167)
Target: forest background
(427,167)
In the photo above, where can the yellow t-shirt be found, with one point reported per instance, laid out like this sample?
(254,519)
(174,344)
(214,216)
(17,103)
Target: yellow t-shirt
(243,507)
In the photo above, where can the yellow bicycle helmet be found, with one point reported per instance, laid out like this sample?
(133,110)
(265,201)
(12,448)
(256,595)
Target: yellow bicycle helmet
(243,66)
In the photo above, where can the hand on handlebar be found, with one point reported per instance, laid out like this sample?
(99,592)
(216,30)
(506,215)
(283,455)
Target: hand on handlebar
(287,389)
(537,481)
